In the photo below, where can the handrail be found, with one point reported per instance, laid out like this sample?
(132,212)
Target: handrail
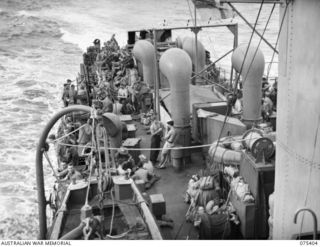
(315,221)
(39,165)
(150,221)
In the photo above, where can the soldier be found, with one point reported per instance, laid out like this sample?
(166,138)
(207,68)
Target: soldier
(170,138)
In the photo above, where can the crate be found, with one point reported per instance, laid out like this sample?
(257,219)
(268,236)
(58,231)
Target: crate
(131,130)
(158,205)
(125,118)
(122,188)
(260,178)
(246,214)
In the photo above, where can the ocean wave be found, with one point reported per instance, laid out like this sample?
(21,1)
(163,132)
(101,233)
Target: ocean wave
(26,83)
(20,226)
(35,93)
(22,26)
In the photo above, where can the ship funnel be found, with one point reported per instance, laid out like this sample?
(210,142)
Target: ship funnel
(144,52)
(252,72)
(198,58)
(176,65)
(113,126)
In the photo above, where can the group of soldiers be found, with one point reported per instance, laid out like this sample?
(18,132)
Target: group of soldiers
(109,82)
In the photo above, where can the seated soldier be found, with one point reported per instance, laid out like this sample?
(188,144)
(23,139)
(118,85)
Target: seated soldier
(145,164)
(127,108)
(145,172)
(107,104)
(123,91)
(124,161)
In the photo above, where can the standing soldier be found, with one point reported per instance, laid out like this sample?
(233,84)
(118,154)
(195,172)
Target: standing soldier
(156,130)
(65,95)
(170,138)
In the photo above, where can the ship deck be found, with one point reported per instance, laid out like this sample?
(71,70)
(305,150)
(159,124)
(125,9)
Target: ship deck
(173,186)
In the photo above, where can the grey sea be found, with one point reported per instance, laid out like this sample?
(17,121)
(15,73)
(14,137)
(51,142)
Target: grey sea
(41,45)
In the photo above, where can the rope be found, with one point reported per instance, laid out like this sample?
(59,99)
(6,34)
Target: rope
(237,81)
(264,30)
(122,235)
(159,149)
(91,163)
(60,138)
(274,52)
(54,172)
(112,217)
(310,173)
(191,13)
(250,40)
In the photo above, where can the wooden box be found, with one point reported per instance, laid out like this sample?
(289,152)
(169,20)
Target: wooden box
(158,205)
(246,214)
(122,188)
(126,118)
(131,130)
(260,178)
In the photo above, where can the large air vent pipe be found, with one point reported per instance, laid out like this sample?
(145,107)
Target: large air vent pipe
(176,65)
(144,51)
(198,56)
(251,72)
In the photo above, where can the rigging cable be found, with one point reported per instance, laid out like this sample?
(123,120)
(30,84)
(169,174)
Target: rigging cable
(113,211)
(91,161)
(264,30)
(310,173)
(250,40)
(149,149)
(237,80)
(60,138)
(274,52)
(191,13)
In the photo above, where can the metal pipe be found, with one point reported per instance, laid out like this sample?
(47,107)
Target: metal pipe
(39,165)
(212,64)
(250,1)
(248,23)
(144,51)
(157,79)
(252,71)
(75,233)
(196,52)
(176,65)
(192,27)
(315,221)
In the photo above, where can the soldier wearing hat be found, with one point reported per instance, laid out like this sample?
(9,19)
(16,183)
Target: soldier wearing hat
(107,104)
(96,43)
(124,160)
(65,95)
